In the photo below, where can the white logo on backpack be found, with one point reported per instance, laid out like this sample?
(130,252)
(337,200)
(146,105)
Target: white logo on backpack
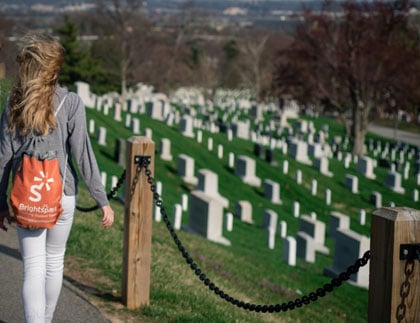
(36,188)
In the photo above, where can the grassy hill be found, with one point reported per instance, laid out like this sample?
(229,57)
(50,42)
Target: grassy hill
(247,270)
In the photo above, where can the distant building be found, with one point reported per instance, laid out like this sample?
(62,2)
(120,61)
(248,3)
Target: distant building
(235,11)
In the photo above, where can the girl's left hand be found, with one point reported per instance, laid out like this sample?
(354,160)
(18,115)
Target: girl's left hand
(5,214)
(107,216)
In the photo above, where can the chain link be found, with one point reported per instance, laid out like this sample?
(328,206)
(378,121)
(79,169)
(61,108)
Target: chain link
(297,303)
(405,289)
(109,196)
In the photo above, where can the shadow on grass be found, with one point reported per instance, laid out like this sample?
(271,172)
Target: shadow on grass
(172,169)
(108,155)
(93,290)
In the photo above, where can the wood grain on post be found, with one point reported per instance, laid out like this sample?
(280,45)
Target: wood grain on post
(137,226)
(391,227)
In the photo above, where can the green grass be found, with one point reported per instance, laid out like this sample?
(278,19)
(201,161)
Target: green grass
(247,270)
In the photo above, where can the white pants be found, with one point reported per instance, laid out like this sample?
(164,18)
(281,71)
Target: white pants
(43,264)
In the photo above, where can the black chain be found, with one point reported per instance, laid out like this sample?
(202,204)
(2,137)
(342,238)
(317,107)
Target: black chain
(405,289)
(299,302)
(109,196)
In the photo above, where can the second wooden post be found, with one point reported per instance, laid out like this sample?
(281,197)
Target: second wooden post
(137,225)
(394,293)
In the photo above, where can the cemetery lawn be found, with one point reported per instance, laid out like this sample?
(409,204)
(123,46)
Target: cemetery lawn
(247,270)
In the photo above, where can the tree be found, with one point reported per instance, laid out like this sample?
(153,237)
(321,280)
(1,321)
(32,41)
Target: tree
(124,26)
(76,65)
(351,61)
(254,68)
(184,53)
(229,75)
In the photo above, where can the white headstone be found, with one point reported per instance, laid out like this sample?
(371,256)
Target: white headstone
(299,176)
(336,221)
(210,144)
(393,182)
(315,150)
(282,229)
(148,133)
(365,167)
(206,217)
(135,125)
(102,136)
(184,202)
(269,219)
(272,191)
(199,136)
(154,110)
(299,151)
(186,126)
(165,149)
(103,179)
(208,183)
(415,195)
(186,167)
(245,169)
(376,199)
(289,251)
(296,209)
(83,90)
(322,165)
(177,216)
(285,166)
(352,183)
(347,160)
(231,160)
(229,221)
(241,129)
(229,134)
(158,215)
(314,186)
(127,120)
(328,196)
(362,217)
(114,181)
(316,230)
(350,246)
(219,151)
(406,171)
(305,247)
(91,126)
(243,210)
(271,238)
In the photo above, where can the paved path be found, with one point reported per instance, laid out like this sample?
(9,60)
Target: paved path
(405,136)
(72,306)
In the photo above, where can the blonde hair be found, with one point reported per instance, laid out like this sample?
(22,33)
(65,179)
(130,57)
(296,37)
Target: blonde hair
(40,58)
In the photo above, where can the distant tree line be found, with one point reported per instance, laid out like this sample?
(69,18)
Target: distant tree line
(358,63)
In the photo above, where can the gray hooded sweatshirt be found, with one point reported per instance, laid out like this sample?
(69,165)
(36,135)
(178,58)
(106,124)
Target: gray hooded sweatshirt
(70,140)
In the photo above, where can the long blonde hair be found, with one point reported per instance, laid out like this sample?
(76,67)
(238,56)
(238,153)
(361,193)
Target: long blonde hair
(40,58)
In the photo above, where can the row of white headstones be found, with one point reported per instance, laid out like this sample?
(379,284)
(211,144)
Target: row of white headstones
(206,204)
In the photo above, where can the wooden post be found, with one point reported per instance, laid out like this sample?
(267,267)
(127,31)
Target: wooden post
(391,227)
(137,226)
